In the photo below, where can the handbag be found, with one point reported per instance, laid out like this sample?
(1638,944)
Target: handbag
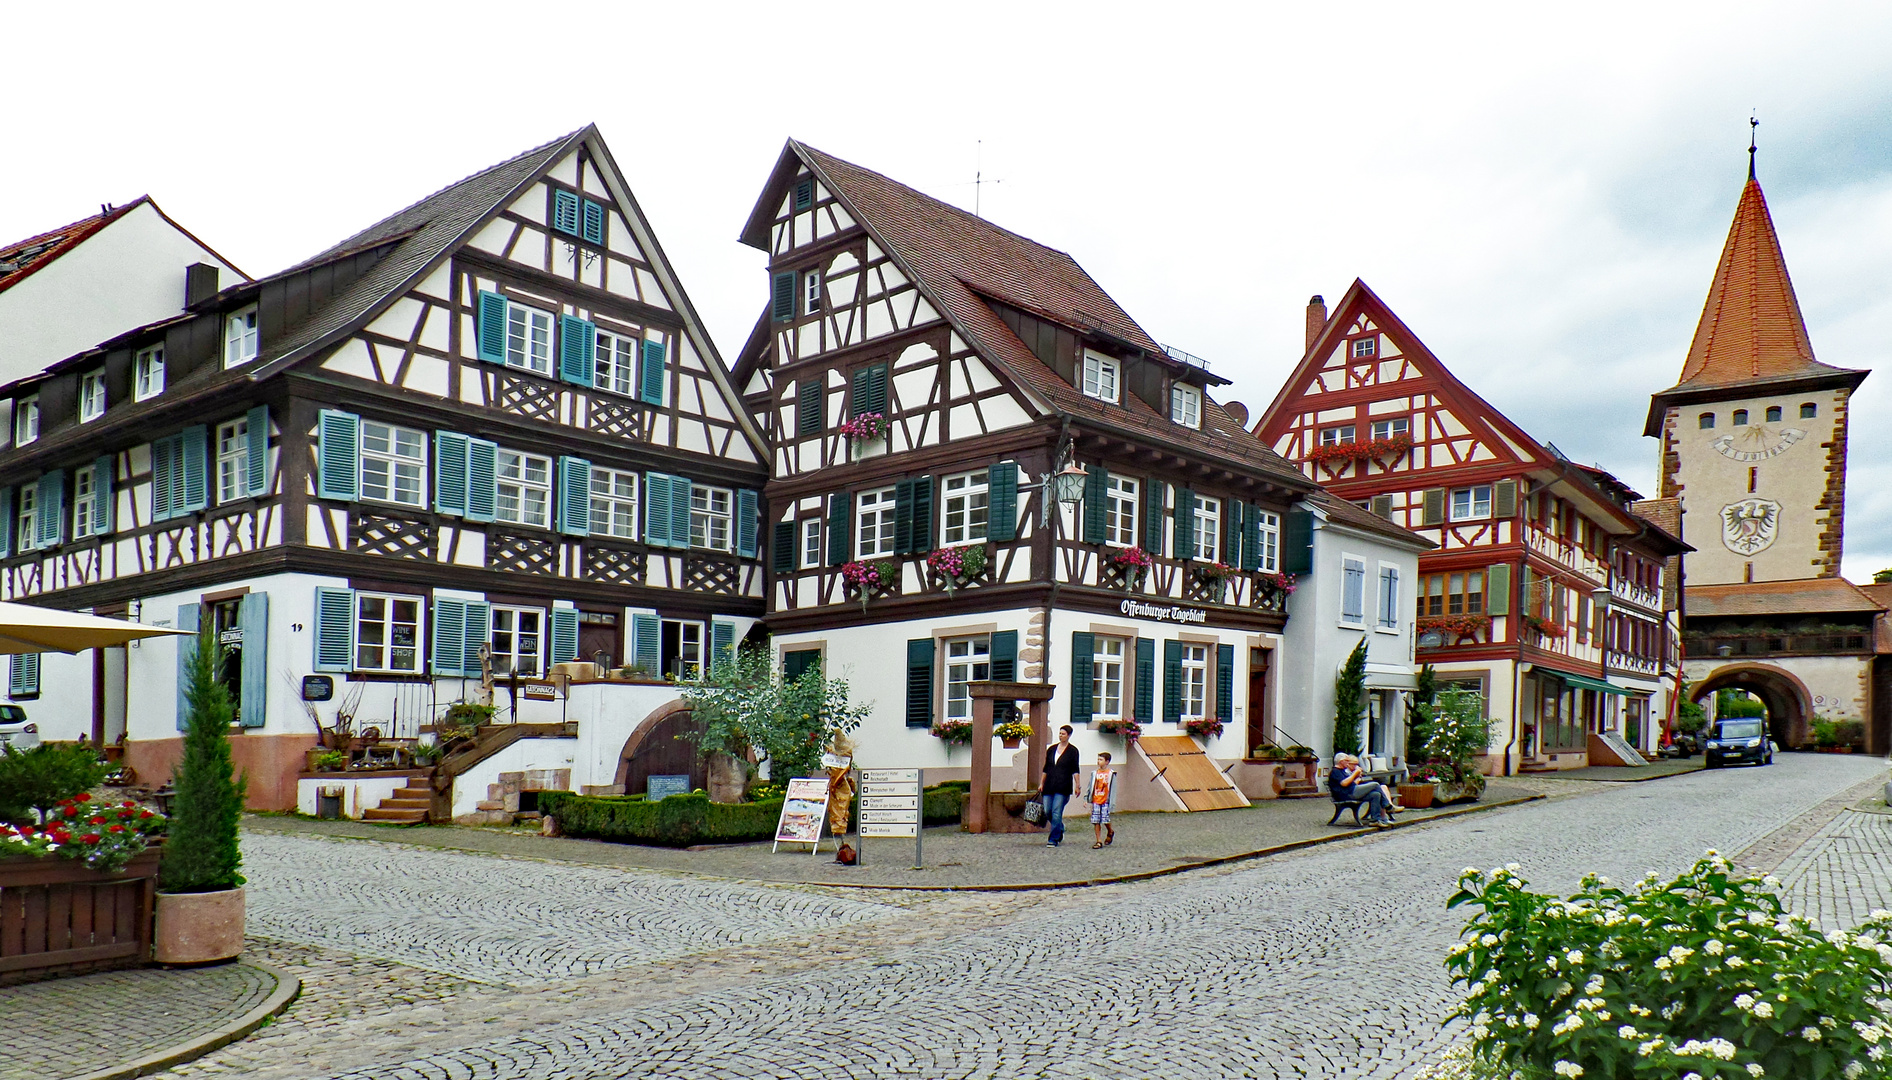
(1034,810)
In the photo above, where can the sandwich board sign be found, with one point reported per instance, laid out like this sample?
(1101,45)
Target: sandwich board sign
(890,805)
(804,811)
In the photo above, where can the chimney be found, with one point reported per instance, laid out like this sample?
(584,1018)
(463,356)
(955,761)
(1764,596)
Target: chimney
(200,283)
(1316,320)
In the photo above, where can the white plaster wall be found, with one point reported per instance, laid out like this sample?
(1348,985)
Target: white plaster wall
(607,714)
(469,788)
(359,793)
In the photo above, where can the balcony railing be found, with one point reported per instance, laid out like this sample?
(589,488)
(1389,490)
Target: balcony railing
(1636,594)
(1565,554)
(1641,665)
(1706,647)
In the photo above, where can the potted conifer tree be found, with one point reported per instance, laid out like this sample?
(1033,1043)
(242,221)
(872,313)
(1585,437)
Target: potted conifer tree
(200,892)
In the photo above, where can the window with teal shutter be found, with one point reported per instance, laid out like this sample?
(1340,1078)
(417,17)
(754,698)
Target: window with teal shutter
(479,625)
(646,642)
(1143,698)
(804,193)
(492,327)
(102,500)
(920,682)
(564,635)
(840,528)
(450,472)
(482,479)
(577,349)
(6,523)
(594,222)
(51,509)
(1225,683)
(256,483)
(187,621)
(657,511)
(565,212)
(1083,676)
(782,548)
(1172,682)
(574,496)
(782,296)
(722,643)
(1096,503)
(1155,492)
(1185,526)
(334,629)
(194,456)
(1003,647)
(449,654)
(680,511)
(867,391)
(163,478)
(651,380)
(748,522)
(338,455)
(23,675)
(253,620)
(809,408)
(1002,501)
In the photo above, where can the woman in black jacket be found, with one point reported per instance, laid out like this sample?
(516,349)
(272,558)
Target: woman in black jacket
(1061,768)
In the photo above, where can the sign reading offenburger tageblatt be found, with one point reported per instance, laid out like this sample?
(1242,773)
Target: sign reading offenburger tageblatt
(1136,609)
(890,802)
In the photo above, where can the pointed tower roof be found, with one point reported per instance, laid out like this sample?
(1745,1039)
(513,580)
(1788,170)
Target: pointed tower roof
(1751,336)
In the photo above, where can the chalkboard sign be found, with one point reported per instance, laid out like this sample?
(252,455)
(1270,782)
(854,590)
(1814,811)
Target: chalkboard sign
(665,786)
(317,687)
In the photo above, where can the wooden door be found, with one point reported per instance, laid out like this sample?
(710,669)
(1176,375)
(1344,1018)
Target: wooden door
(1258,734)
(598,633)
(664,753)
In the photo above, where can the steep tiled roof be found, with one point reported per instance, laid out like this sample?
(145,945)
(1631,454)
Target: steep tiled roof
(1346,513)
(22,258)
(1806,596)
(960,259)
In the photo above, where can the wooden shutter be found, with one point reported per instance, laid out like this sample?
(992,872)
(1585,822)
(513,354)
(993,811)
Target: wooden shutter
(1382,506)
(840,528)
(1154,495)
(565,212)
(804,192)
(680,487)
(1232,533)
(6,522)
(102,502)
(748,522)
(1003,647)
(782,550)
(647,643)
(868,391)
(1498,589)
(1185,524)
(809,412)
(479,627)
(1002,501)
(1083,676)
(782,297)
(51,509)
(797,662)
(1434,512)
(564,635)
(722,642)
(334,629)
(337,456)
(491,330)
(187,620)
(923,514)
(163,482)
(450,472)
(482,479)
(1251,538)
(903,517)
(1225,683)
(653,376)
(594,222)
(449,655)
(577,350)
(1172,682)
(1504,499)
(253,620)
(1096,491)
(1143,697)
(195,456)
(1297,542)
(574,496)
(657,511)
(920,682)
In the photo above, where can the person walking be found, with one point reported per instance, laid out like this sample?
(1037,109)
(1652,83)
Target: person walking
(1061,768)
(1103,800)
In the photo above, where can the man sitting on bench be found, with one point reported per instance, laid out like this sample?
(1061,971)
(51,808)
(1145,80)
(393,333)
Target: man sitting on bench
(1349,781)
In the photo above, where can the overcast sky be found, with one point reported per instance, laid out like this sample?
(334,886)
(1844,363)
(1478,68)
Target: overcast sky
(1540,197)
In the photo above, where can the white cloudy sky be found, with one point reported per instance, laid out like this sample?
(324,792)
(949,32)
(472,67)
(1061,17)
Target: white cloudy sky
(1540,196)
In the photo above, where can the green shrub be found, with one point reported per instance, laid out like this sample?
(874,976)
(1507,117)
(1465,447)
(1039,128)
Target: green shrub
(1825,732)
(45,776)
(1849,733)
(944,804)
(1705,975)
(678,821)
(201,854)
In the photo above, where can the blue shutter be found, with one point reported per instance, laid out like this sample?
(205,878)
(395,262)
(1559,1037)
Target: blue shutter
(565,212)
(479,626)
(1083,676)
(1172,682)
(650,381)
(102,502)
(920,682)
(657,510)
(334,629)
(577,345)
(646,643)
(722,642)
(338,455)
(449,655)
(492,327)
(482,479)
(6,522)
(187,616)
(1353,591)
(253,620)
(51,509)
(748,522)
(574,496)
(680,511)
(163,480)
(450,472)
(256,482)
(1144,696)
(1225,683)
(24,677)
(194,458)
(782,297)
(564,635)
(594,222)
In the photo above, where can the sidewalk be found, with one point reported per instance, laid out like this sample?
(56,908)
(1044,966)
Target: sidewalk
(1660,769)
(1147,845)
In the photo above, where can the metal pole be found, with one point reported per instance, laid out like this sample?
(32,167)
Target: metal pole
(860,844)
(919,817)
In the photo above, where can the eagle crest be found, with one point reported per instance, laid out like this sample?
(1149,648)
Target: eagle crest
(1750,526)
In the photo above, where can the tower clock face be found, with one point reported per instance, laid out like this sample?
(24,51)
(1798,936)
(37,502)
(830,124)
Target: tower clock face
(1757,442)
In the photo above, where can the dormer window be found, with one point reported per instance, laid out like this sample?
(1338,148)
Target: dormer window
(1366,346)
(1101,376)
(239,338)
(91,396)
(1185,406)
(149,377)
(26,420)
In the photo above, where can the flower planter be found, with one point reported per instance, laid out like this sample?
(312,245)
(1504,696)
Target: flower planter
(1011,744)
(81,920)
(198,928)
(1416,796)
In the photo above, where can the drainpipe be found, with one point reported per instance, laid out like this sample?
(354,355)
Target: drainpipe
(1517,692)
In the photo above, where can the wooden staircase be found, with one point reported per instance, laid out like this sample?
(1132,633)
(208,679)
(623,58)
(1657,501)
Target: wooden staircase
(407,806)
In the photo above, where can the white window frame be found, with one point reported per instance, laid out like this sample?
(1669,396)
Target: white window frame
(522,340)
(1103,377)
(84,495)
(1107,656)
(810,543)
(690,642)
(1338,435)
(1388,600)
(964,657)
(615,362)
(148,373)
(515,616)
(1392,428)
(399,471)
(1195,681)
(525,488)
(966,498)
(1474,497)
(712,517)
(1185,406)
(28,518)
(1120,511)
(1269,560)
(26,420)
(241,340)
(388,623)
(91,396)
(810,291)
(1208,514)
(613,503)
(1352,570)
(873,524)
(1366,346)
(233,459)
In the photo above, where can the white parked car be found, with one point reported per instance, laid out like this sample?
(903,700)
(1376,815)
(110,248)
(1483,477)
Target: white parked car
(15,730)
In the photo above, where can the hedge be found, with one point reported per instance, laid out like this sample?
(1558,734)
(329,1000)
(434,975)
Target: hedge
(684,820)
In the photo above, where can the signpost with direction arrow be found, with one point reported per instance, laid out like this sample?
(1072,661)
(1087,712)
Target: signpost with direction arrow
(891,805)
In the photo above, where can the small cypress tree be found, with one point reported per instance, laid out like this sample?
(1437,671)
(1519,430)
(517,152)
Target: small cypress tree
(200,848)
(1350,701)
(1419,717)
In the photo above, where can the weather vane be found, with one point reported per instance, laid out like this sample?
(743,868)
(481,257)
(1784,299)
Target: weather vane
(1753,131)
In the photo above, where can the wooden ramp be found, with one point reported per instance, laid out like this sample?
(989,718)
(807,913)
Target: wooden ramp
(1180,763)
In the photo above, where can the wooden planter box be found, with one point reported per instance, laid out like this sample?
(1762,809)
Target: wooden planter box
(58,918)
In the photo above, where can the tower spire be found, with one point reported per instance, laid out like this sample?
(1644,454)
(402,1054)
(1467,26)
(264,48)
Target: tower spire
(1753,130)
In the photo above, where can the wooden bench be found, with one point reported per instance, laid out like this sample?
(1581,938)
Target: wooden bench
(1343,804)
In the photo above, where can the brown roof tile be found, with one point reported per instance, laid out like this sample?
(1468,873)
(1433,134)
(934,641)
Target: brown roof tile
(21,258)
(1806,596)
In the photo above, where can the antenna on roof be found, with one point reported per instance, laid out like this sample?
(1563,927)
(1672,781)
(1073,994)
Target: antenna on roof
(978,177)
(1753,133)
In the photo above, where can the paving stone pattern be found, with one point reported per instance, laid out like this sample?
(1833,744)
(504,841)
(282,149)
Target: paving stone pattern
(71,1027)
(1843,874)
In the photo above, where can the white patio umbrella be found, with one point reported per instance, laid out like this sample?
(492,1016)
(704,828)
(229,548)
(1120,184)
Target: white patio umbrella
(28,629)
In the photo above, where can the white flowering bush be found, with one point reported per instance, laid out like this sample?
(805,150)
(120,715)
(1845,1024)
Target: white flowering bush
(1704,977)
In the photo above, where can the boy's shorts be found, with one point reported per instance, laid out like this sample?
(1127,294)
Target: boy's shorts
(1100,815)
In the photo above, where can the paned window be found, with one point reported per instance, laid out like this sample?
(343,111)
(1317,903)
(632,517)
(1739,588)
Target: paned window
(1208,528)
(968,660)
(1705,421)
(811,543)
(528,338)
(26,420)
(617,363)
(525,488)
(1185,406)
(1391,429)
(875,524)
(1472,503)
(811,291)
(1101,376)
(1120,512)
(91,396)
(517,641)
(1809,410)
(613,503)
(681,651)
(149,375)
(1195,681)
(709,518)
(1268,553)
(1453,594)
(29,516)
(240,340)
(233,460)
(1107,678)
(393,461)
(84,492)
(965,516)
(1366,346)
(387,632)
(1352,591)
(1335,436)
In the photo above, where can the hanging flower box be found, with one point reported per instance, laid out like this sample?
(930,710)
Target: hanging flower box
(1125,727)
(1204,727)
(867,579)
(1455,628)
(1381,450)
(953,731)
(1127,567)
(955,566)
(1549,628)
(866,427)
(1012,733)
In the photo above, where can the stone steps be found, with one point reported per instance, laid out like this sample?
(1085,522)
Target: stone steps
(403,816)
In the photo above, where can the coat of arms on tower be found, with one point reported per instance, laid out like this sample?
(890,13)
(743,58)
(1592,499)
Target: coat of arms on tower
(1750,525)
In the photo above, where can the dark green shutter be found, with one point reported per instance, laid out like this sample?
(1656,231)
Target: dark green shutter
(722,643)
(651,379)
(1232,522)
(195,457)
(1498,589)
(1251,537)
(903,517)
(922,514)
(840,528)
(920,682)
(449,656)
(1185,524)
(188,616)
(565,212)
(1083,676)
(1297,542)
(594,222)
(257,427)
(868,391)
(748,522)
(782,551)
(680,511)
(334,629)
(1096,489)
(804,193)
(337,457)
(577,350)
(1002,501)
(1225,683)
(253,620)
(1004,657)
(782,298)
(647,643)
(1154,496)
(492,327)
(808,407)
(657,510)
(450,472)
(796,662)
(1172,682)
(482,479)
(564,635)
(1144,697)
(574,496)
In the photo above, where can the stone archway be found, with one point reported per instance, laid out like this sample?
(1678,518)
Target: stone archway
(1789,703)
(655,749)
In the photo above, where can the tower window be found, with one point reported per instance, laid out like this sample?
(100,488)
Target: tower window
(1808,410)
(1706,420)
(1366,346)
(1740,417)
(1773,414)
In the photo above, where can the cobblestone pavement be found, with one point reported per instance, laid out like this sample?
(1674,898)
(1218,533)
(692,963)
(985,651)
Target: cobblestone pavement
(1241,971)
(71,1027)
(1844,873)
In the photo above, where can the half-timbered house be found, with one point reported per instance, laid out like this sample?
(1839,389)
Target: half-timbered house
(488,424)
(922,377)
(1547,590)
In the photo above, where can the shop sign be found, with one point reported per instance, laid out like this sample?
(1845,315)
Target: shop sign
(1136,609)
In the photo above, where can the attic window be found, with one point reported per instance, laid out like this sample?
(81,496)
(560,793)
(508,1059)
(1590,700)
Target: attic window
(26,420)
(1101,376)
(91,396)
(574,216)
(239,337)
(804,193)
(1366,346)
(1185,406)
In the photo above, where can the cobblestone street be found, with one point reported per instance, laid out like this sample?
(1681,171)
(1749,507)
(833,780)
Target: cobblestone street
(443,964)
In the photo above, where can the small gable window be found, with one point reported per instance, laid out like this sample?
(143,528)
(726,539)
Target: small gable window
(1101,374)
(1392,429)
(26,420)
(150,373)
(91,396)
(1185,406)
(1334,436)
(1809,410)
(1366,346)
(1773,414)
(574,216)
(811,291)
(804,193)
(1705,421)
(1472,503)
(528,338)
(240,338)
(1740,417)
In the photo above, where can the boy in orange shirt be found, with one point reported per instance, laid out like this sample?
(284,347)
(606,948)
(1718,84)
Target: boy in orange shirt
(1103,799)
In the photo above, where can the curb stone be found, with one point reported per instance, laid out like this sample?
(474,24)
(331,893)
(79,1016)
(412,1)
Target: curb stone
(288,987)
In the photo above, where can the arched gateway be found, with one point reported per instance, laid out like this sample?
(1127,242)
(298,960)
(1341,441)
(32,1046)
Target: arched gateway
(1789,704)
(663,744)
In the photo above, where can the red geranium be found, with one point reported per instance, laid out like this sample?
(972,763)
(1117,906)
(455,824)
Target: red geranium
(84,796)
(116,828)
(90,838)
